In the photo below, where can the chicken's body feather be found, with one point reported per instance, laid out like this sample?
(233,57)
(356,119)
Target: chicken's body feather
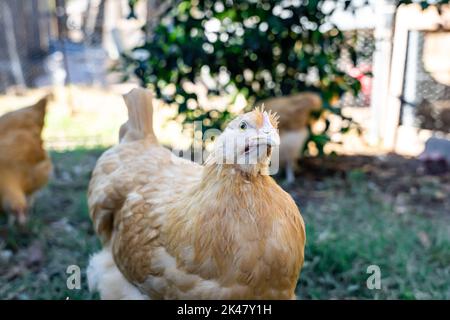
(176,229)
(24,164)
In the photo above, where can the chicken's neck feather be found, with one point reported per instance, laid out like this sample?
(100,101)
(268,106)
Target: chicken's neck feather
(226,188)
(234,175)
(215,163)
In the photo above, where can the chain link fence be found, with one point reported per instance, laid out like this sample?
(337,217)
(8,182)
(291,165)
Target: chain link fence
(426,92)
(363,42)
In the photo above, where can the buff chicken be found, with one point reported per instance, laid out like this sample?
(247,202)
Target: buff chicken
(174,229)
(24,164)
(295,116)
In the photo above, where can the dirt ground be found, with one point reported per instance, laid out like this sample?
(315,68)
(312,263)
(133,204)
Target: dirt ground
(404,181)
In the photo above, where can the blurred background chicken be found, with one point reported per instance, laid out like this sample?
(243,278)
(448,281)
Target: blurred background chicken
(24,164)
(295,116)
(174,229)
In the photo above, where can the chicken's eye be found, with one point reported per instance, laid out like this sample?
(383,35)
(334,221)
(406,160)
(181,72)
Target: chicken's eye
(243,125)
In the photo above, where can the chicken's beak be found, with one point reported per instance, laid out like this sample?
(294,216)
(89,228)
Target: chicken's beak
(273,139)
(269,141)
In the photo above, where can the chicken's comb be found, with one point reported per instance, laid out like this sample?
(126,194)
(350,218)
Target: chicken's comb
(273,116)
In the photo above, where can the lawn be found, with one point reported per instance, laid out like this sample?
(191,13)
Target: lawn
(358,212)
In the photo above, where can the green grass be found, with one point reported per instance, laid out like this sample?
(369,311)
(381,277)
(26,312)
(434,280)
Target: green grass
(351,223)
(60,224)
(80,130)
(354,227)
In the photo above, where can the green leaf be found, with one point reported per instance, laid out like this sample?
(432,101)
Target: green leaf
(280,52)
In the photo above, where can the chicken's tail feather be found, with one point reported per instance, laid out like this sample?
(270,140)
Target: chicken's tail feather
(105,278)
(140,116)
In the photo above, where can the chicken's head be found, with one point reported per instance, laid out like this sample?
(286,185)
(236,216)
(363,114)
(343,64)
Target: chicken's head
(248,142)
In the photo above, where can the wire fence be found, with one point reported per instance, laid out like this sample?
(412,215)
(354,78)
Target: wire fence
(426,98)
(363,41)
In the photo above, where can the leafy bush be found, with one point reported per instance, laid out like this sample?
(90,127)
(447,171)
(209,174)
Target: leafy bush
(259,49)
